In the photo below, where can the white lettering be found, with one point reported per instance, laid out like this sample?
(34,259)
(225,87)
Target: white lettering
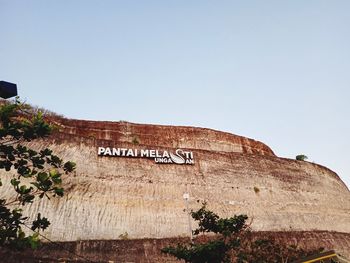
(130,153)
(179,157)
(116,152)
(101,150)
(189,161)
(162,160)
(144,153)
(152,153)
(188,155)
(108,151)
(123,151)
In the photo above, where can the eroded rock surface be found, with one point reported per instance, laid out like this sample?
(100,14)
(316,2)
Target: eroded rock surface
(149,250)
(110,196)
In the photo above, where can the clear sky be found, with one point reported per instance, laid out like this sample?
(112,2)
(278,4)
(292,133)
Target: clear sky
(274,71)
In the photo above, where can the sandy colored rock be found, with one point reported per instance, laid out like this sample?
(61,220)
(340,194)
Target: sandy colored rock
(109,196)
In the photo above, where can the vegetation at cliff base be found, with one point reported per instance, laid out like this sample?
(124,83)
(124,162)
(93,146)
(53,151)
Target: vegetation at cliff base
(31,174)
(224,240)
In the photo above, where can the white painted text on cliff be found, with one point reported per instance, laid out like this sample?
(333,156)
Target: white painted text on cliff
(179,157)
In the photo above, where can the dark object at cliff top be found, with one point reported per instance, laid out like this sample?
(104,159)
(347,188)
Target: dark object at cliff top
(7,90)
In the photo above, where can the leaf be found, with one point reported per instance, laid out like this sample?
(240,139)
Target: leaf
(11,157)
(69,166)
(15,182)
(8,167)
(21,234)
(59,191)
(42,177)
(46,152)
(53,172)
(37,185)
(57,179)
(32,153)
(34,241)
(41,223)
(23,189)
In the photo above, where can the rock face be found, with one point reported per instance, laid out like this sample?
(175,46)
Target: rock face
(109,197)
(149,250)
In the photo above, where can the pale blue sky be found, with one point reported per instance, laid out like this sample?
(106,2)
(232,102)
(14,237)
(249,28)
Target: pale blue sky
(275,71)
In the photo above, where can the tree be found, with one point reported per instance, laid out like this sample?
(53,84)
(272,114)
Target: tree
(233,241)
(301,157)
(32,174)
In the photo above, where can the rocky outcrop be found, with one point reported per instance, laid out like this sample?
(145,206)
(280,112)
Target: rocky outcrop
(110,196)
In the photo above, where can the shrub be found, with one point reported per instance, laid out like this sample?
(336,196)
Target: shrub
(301,157)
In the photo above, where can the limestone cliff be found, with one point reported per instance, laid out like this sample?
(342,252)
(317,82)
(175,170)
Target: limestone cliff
(108,196)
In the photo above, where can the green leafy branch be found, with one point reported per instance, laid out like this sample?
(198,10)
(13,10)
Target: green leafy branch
(37,173)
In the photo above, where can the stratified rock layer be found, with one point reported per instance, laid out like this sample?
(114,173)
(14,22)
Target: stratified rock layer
(110,196)
(149,250)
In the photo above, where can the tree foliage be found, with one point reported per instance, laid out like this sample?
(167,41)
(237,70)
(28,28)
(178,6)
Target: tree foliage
(32,174)
(231,240)
(301,157)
